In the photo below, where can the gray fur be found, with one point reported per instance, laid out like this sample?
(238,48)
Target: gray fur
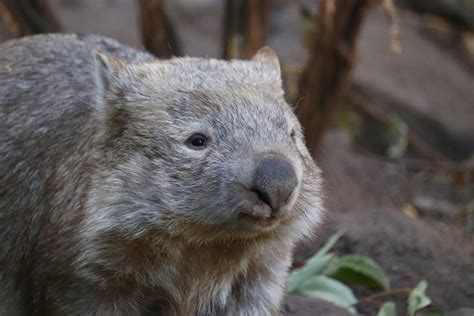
(104,210)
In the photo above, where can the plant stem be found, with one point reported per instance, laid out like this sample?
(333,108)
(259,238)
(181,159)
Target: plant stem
(373,297)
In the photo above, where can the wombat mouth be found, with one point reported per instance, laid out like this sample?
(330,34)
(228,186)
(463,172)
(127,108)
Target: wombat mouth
(270,221)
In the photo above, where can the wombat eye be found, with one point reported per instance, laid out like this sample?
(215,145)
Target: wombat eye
(197,142)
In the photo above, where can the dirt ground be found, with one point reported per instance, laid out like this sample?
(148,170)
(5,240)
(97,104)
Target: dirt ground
(432,78)
(365,198)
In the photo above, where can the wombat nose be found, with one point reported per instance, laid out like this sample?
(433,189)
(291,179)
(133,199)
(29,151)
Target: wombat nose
(274,180)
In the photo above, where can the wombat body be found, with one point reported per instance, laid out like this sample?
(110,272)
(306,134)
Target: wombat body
(131,185)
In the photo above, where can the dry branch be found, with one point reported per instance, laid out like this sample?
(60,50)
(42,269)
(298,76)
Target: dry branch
(394,29)
(255,26)
(232,29)
(414,140)
(245,23)
(158,34)
(11,23)
(328,72)
(27,17)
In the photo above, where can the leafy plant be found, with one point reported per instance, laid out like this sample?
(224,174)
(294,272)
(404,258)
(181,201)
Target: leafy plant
(298,277)
(388,309)
(418,298)
(326,288)
(359,270)
(326,275)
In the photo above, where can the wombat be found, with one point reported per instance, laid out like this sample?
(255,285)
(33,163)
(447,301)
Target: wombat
(133,186)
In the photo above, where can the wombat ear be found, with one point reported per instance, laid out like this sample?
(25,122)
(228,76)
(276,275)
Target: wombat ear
(107,68)
(267,56)
(108,83)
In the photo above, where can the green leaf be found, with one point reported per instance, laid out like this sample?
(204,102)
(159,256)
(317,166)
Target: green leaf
(388,309)
(429,313)
(314,265)
(398,134)
(331,290)
(298,277)
(418,298)
(359,270)
(327,245)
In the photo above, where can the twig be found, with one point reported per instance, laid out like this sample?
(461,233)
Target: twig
(394,29)
(414,140)
(374,297)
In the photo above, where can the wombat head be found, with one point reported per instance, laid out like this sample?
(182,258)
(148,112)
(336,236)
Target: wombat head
(201,148)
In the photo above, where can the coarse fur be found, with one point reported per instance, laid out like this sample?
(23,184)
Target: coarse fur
(105,210)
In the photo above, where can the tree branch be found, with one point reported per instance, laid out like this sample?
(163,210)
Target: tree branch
(158,34)
(27,17)
(333,57)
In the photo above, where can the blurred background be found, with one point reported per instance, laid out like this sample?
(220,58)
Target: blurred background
(385,92)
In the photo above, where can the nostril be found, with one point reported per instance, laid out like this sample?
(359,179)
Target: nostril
(285,200)
(262,196)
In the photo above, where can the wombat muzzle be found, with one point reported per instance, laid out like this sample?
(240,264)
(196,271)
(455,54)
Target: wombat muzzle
(274,181)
